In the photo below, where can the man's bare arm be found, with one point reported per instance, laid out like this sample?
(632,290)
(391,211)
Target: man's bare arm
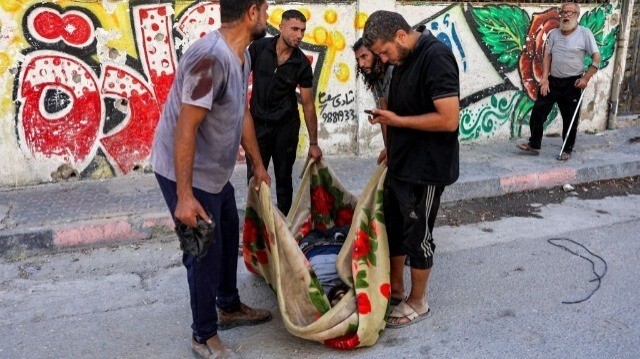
(310,118)
(445,119)
(184,142)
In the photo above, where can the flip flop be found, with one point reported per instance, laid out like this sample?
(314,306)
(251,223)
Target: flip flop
(527,148)
(403,310)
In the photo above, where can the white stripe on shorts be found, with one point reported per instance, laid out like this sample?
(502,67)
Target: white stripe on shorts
(426,248)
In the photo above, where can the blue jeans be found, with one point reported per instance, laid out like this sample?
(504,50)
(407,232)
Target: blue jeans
(212,278)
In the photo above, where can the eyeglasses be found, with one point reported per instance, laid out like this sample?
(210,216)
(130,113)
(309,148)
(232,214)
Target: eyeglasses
(567,12)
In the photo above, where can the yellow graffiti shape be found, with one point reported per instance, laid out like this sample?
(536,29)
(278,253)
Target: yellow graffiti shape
(11,5)
(320,35)
(342,72)
(305,12)
(5,62)
(275,17)
(360,20)
(331,16)
(337,40)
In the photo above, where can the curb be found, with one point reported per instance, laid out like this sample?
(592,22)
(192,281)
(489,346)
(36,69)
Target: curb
(91,233)
(135,228)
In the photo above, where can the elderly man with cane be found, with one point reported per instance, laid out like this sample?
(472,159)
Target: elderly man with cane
(563,79)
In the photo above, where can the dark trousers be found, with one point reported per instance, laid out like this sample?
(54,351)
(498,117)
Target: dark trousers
(212,278)
(278,141)
(410,212)
(566,95)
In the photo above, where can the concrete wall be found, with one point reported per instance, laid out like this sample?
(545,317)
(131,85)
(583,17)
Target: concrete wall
(630,91)
(83,83)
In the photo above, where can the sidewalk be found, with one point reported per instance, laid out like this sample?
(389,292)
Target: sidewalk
(54,216)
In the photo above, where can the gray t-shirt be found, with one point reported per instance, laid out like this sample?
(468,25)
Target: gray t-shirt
(568,52)
(209,76)
(381,88)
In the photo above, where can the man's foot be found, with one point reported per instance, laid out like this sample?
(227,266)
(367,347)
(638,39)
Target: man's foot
(245,316)
(212,349)
(527,148)
(403,315)
(393,301)
(564,156)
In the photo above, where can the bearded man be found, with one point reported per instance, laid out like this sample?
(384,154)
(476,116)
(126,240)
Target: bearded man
(193,155)
(563,79)
(377,77)
(422,150)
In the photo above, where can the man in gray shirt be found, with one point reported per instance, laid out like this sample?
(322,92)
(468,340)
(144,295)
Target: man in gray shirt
(563,78)
(193,155)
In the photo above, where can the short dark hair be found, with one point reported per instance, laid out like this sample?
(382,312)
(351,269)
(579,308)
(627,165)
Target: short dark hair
(293,14)
(383,25)
(233,10)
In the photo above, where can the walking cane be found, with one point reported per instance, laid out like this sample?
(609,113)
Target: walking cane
(571,125)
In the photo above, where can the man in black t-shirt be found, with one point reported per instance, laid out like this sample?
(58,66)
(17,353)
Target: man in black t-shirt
(279,66)
(422,150)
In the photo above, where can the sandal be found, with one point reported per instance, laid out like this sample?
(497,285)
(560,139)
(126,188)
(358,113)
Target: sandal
(527,148)
(403,310)
(245,316)
(564,156)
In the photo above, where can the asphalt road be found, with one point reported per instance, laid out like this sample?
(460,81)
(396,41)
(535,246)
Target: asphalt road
(496,291)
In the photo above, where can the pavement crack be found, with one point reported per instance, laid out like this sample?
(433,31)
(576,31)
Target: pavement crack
(5,218)
(144,277)
(42,318)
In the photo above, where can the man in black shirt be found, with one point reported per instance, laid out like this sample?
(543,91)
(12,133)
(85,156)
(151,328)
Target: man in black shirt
(422,150)
(279,66)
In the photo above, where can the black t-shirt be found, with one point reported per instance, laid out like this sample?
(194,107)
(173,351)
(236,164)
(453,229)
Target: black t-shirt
(429,73)
(273,97)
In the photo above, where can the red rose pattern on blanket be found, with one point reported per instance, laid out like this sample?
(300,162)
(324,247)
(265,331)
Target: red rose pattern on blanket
(322,203)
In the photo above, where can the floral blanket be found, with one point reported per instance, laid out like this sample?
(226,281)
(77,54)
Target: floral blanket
(270,249)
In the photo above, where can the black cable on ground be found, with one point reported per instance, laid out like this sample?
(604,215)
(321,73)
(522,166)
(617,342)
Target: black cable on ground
(598,278)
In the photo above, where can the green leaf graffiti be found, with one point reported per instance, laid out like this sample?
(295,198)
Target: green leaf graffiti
(521,113)
(497,113)
(595,20)
(504,31)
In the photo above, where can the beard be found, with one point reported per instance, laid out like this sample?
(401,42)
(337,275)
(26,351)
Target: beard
(403,53)
(569,25)
(258,32)
(289,42)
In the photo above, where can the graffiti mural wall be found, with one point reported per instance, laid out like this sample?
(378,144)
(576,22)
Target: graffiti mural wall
(83,83)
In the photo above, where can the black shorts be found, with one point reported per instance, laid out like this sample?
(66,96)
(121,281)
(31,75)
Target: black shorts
(410,212)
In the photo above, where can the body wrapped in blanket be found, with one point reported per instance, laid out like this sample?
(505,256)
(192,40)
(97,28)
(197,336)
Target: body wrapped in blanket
(321,249)
(279,249)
